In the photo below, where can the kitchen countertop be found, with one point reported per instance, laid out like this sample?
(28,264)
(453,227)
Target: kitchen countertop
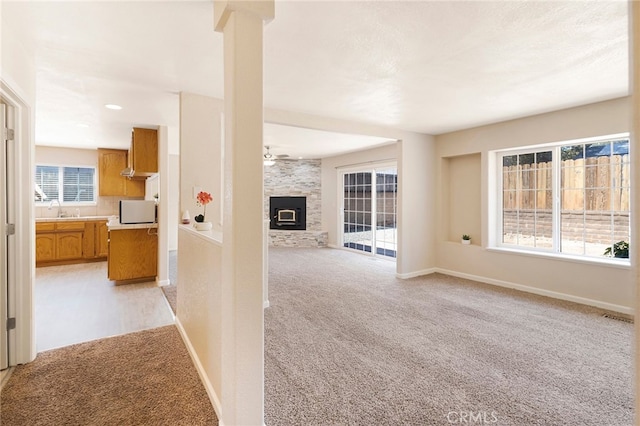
(114,225)
(72,218)
(112,222)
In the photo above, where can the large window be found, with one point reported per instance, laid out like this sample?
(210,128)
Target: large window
(65,184)
(571,198)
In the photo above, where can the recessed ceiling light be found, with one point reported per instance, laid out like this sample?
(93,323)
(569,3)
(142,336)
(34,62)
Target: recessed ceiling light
(113,106)
(300,158)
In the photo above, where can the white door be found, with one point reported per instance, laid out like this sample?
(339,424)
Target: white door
(4,338)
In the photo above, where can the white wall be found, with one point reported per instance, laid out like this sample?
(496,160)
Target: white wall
(17,61)
(200,302)
(603,285)
(416,207)
(200,163)
(199,310)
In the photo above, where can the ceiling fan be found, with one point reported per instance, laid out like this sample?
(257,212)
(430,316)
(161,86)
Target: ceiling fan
(270,159)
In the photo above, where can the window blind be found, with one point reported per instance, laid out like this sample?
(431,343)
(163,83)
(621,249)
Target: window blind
(65,184)
(47,178)
(77,184)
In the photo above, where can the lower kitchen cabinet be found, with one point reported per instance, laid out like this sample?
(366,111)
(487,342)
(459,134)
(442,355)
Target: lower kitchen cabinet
(102,239)
(66,242)
(133,254)
(45,248)
(96,240)
(68,245)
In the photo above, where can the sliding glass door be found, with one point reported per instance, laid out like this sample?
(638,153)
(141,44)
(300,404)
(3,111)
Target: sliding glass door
(369,210)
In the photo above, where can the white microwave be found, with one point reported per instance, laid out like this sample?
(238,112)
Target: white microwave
(137,211)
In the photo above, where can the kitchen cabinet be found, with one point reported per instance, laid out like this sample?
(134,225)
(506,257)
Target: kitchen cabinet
(96,240)
(110,182)
(59,242)
(68,245)
(45,242)
(102,242)
(133,254)
(143,155)
(66,242)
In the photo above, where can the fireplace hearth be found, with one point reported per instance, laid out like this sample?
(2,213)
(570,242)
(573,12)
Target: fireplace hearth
(288,213)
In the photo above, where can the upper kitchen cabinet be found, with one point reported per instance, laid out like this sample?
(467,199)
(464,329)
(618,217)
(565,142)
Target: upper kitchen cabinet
(111,182)
(143,155)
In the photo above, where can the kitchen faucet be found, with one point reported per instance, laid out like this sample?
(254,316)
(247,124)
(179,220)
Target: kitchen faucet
(55,200)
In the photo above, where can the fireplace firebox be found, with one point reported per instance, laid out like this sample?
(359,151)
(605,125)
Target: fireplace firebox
(288,213)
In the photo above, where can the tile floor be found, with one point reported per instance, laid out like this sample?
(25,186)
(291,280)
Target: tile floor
(77,303)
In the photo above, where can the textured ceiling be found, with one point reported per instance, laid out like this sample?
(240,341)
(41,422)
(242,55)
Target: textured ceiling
(430,67)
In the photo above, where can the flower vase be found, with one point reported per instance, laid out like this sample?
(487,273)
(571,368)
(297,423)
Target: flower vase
(203,226)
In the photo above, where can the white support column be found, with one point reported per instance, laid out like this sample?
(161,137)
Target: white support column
(242,399)
(163,208)
(634,79)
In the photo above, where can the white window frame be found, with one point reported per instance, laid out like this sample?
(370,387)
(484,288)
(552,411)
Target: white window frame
(364,167)
(496,242)
(60,198)
(554,189)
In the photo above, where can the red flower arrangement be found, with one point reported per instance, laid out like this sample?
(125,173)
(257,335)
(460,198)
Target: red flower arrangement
(203,198)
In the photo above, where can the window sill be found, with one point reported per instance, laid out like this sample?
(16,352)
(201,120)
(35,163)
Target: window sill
(613,263)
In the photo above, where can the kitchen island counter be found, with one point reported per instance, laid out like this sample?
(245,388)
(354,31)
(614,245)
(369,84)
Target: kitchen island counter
(133,252)
(114,225)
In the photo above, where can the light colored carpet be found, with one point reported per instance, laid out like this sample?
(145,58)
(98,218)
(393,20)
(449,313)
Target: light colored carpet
(348,343)
(144,378)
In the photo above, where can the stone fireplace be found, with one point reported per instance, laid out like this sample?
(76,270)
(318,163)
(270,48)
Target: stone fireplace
(293,203)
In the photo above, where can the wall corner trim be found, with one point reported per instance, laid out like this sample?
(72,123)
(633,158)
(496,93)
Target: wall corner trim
(215,401)
(541,292)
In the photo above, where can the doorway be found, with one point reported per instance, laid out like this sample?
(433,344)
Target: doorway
(369,210)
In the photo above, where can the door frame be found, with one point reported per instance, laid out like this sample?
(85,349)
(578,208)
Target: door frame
(364,167)
(4,270)
(21,263)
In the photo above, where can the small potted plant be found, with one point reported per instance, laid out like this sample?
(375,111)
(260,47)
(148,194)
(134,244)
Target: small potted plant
(202,199)
(619,250)
(466,239)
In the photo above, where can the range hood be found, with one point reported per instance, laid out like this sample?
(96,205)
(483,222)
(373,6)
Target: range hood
(128,172)
(132,174)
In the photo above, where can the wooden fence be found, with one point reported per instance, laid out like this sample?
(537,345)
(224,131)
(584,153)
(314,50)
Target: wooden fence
(595,183)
